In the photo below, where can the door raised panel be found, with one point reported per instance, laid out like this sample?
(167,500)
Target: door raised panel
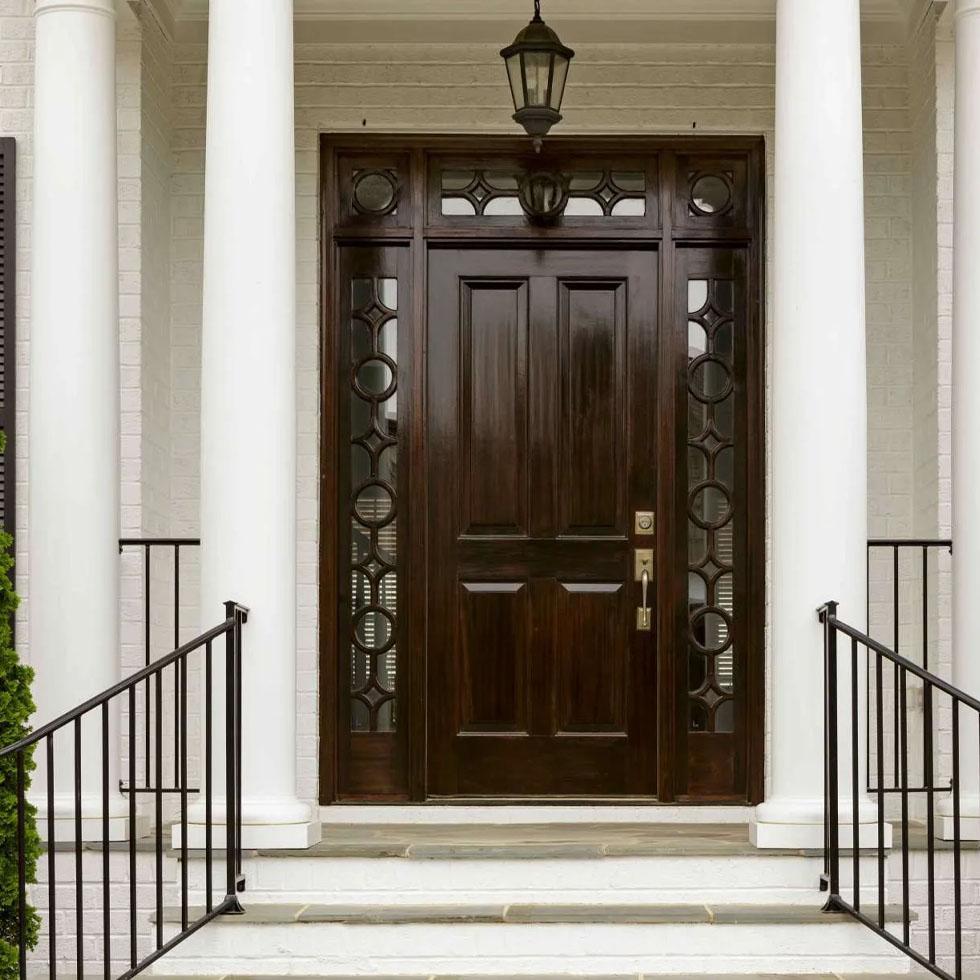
(493,346)
(591,652)
(494,629)
(592,340)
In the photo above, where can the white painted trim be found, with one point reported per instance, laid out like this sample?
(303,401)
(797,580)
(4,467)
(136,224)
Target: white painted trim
(106,7)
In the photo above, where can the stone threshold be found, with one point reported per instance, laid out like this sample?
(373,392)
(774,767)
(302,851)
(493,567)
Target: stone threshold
(543,914)
(584,841)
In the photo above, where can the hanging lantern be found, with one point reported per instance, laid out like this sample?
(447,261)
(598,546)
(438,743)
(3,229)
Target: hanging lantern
(537,67)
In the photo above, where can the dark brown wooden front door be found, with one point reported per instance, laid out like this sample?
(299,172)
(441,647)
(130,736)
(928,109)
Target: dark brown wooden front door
(523,354)
(542,445)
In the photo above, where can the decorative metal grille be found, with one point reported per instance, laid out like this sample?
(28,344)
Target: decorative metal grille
(373,497)
(587,194)
(711,512)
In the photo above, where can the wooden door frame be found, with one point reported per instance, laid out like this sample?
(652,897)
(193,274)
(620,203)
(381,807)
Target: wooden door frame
(415,151)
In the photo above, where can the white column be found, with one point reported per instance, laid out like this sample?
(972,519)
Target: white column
(819,399)
(74,392)
(966,406)
(248,393)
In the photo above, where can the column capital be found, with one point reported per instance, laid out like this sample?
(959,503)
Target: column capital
(966,7)
(106,7)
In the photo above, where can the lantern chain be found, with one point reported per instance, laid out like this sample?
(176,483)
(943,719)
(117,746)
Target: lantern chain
(537,9)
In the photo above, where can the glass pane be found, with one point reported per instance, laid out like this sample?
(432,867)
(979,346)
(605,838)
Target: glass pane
(630,207)
(558,82)
(697,340)
(503,206)
(374,377)
(516,83)
(500,181)
(585,181)
(537,67)
(635,183)
(458,205)
(373,630)
(374,191)
(373,504)
(583,207)
(697,295)
(710,380)
(711,194)
(457,180)
(388,293)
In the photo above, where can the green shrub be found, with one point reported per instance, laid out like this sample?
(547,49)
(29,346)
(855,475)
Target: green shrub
(16,708)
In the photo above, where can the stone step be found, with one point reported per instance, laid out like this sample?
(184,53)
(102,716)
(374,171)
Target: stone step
(531,940)
(527,914)
(522,863)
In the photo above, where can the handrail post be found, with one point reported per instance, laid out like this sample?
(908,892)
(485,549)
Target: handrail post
(828,617)
(232,758)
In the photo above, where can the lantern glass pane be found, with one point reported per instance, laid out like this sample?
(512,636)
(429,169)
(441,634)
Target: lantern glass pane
(516,83)
(558,82)
(537,69)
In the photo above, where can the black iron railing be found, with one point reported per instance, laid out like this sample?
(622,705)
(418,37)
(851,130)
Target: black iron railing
(169,550)
(920,551)
(99,710)
(914,783)
(906,594)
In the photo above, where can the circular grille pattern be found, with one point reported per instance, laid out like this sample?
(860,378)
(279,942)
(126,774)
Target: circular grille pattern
(373,501)
(375,192)
(711,638)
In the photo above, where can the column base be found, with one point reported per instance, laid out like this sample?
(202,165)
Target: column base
(279,825)
(64,830)
(800,825)
(91,824)
(969,828)
(969,819)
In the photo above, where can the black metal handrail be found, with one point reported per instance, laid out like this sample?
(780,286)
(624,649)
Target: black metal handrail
(908,785)
(231,629)
(149,547)
(923,548)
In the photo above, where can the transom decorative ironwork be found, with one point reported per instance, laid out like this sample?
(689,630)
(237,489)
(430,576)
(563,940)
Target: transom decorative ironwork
(540,194)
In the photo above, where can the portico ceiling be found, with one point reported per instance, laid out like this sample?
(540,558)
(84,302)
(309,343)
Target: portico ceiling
(473,20)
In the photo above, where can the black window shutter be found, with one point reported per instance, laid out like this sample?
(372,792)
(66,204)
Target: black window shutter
(8,312)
